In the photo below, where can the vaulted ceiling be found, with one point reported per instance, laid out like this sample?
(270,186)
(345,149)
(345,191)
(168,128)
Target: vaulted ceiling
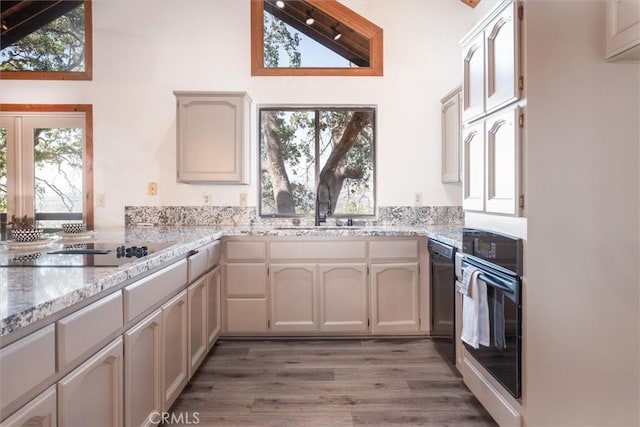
(20,18)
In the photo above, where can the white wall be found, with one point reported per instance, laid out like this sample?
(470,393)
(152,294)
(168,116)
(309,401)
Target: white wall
(581,324)
(145,49)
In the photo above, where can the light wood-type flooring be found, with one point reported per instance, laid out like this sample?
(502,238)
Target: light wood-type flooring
(328,383)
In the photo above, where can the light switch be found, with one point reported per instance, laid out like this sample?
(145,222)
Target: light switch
(243,199)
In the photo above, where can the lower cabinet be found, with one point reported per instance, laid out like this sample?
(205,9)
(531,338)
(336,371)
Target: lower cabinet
(197,308)
(174,348)
(91,395)
(395,298)
(213,307)
(293,298)
(343,297)
(40,412)
(143,371)
(245,297)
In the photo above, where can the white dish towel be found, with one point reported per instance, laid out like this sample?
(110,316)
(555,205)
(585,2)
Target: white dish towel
(475,309)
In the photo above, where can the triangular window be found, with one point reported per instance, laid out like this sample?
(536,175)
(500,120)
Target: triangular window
(312,37)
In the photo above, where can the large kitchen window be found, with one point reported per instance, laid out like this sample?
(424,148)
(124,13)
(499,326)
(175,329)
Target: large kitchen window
(45,166)
(313,157)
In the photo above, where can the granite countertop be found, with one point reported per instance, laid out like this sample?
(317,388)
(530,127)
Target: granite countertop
(28,295)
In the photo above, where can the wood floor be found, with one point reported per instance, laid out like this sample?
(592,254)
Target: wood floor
(328,383)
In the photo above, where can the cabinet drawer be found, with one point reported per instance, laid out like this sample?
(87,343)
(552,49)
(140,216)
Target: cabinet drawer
(197,264)
(319,250)
(247,280)
(35,351)
(394,249)
(246,315)
(245,251)
(214,254)
(149,291)
(41,411)
(84,329)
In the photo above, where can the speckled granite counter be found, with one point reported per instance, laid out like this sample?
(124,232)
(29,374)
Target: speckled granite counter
(28,295)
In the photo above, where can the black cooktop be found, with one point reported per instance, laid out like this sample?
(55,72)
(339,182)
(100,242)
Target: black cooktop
(83,255)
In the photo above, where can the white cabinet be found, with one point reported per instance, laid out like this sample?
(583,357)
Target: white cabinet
(91,395)
(395,298)
(502,135)
(623,29)
(473,78)
(491,62)
(293,297)
(213,307)
(40,412)
(491,164)
(343,297)
(174,348)
(213,131)
(38,351)
(143,371)
(451,111)
(244,289)
(473,167)
(245,297)
(197,309)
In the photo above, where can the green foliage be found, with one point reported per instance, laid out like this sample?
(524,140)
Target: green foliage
(279,40)
(58,46)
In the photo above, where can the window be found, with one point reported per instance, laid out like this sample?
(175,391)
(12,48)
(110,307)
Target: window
(45,164)
(312,157)
(312,38)
(46,40)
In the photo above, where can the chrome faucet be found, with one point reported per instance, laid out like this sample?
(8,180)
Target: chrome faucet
(322,218)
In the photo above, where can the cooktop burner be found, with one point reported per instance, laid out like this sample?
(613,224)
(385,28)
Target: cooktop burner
(83,255)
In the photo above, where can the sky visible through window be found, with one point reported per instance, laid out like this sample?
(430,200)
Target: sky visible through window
(313,54)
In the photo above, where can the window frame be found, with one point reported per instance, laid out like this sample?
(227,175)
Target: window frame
(313,108)
(87,74)
(334,9)
(87,109)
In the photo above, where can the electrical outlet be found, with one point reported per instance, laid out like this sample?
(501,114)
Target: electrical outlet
(243,199)
(206,199)
(100,200)
(152,188)
(417,199)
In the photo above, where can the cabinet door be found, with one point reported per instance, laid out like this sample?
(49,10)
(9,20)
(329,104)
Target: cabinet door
(91,395)
(451,126)
(40,412)
(213,307)
(502,57)
(473,168)
(245,290)
(623,29)
(143,371)
(394,298)
(174,348)
(213,137)
(246,315)
(473,79)
(343,298)
(293,298)
(503,163)
(198,338)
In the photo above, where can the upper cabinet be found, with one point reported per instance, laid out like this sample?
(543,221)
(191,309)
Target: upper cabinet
(451,126)
(213,137)
(623,29)
(491,61)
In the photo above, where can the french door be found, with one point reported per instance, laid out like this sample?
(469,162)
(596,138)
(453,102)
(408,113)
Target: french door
(42,167)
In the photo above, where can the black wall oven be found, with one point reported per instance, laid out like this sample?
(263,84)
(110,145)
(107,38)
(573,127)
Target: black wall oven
(499,259)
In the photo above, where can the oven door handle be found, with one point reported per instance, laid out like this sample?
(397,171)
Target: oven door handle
(496,282)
